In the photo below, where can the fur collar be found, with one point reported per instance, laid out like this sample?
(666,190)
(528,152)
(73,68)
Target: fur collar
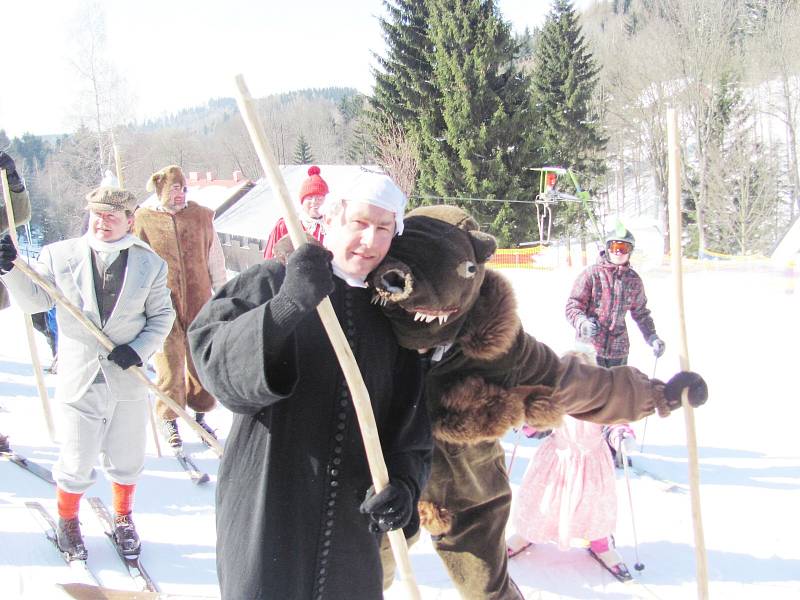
(492,324)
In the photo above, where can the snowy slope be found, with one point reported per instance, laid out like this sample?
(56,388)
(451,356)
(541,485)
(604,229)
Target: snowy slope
(742,328)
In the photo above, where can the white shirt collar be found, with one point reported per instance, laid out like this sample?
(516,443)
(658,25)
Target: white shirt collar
(349,279)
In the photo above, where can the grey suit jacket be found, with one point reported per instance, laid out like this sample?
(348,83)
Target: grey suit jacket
(142,317)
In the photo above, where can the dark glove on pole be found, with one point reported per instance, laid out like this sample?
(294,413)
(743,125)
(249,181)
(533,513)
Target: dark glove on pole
(125,357)
(8,253)
(15,183)
(309,277)
(673,390)
(390,509)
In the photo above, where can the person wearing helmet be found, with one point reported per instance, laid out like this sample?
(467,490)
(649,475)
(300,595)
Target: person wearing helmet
(600,298)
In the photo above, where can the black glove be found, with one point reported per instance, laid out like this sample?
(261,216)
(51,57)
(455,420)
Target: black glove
(657,344)
(125,356)
(309,277)
(698,390)
(588,328)
(391,509)
(8,253)
(14,181)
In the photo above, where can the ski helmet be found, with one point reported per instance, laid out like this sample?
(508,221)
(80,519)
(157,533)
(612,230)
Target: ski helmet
(620,234)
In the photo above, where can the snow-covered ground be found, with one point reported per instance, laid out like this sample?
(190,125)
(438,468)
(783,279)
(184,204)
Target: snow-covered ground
(742,330)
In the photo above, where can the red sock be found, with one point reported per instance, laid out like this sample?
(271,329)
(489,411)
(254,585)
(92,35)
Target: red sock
(68,503)
(122,498)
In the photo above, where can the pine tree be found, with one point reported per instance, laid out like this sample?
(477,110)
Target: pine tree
(564,81)
(302,152)
(450,80)
(403,81)
(476,142)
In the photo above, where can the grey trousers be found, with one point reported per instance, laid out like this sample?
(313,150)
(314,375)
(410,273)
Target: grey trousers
(97,424)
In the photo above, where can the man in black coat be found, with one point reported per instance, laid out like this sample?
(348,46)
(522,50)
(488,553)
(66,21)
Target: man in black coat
(293,521)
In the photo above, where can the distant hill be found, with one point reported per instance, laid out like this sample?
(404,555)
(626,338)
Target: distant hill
(203,118)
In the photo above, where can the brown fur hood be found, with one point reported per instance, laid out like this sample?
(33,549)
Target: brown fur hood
(492,325)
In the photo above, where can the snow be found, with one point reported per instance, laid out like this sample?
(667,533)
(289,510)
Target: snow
(742,328)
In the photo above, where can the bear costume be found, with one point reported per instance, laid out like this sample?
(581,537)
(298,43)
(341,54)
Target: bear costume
(487,375)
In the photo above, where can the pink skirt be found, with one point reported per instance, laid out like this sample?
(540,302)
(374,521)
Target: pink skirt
(569,489)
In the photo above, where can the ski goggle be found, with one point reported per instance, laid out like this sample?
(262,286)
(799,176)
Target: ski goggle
(619,247)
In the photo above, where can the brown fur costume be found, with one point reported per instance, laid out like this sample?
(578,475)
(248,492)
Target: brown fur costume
(183,240)
(490,376)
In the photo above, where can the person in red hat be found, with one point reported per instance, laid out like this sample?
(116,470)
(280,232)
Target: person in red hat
(312,195)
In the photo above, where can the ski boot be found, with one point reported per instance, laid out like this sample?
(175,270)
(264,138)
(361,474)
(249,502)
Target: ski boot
(70,540)
(5,447)
(125,536)
(604,552)
(169,429)
(200,418)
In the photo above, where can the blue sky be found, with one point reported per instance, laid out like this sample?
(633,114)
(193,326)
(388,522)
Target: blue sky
(179,53)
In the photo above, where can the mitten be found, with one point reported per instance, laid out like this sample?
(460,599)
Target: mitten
(8,253)
(391,508)
(698,389)
(657,344)
(15,183)
(309,277)
(588,328)
(125,357)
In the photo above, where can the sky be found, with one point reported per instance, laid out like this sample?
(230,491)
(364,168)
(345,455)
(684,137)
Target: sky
(176,54)
(746,435)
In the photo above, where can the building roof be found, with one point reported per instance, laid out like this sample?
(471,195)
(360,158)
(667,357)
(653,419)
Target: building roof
(216,194)
(255,213)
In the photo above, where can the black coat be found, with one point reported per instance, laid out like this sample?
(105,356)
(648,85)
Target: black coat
(294,471)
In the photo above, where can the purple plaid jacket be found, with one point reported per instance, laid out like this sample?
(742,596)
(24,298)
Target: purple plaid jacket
(607,292)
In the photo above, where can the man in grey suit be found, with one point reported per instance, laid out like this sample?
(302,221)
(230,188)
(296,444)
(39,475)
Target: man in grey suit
(120,284)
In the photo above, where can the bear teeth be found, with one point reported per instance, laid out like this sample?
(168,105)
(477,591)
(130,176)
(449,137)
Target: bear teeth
(428,318)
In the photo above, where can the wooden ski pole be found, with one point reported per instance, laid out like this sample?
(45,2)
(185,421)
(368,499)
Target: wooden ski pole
(117,160)
(109,345)
(37,365)
(673,143)
(347,361)
(150,407)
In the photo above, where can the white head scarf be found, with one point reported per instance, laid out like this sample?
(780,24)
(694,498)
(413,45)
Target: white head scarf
(379,190)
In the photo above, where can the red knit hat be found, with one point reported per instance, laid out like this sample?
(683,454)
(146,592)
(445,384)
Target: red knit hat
(314,185)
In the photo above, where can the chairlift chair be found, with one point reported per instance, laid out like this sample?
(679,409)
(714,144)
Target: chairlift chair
(549,193)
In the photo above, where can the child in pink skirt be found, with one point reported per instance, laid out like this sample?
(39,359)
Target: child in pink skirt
(568,494)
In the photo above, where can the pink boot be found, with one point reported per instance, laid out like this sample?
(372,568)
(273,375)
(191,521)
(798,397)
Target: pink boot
(603,551)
